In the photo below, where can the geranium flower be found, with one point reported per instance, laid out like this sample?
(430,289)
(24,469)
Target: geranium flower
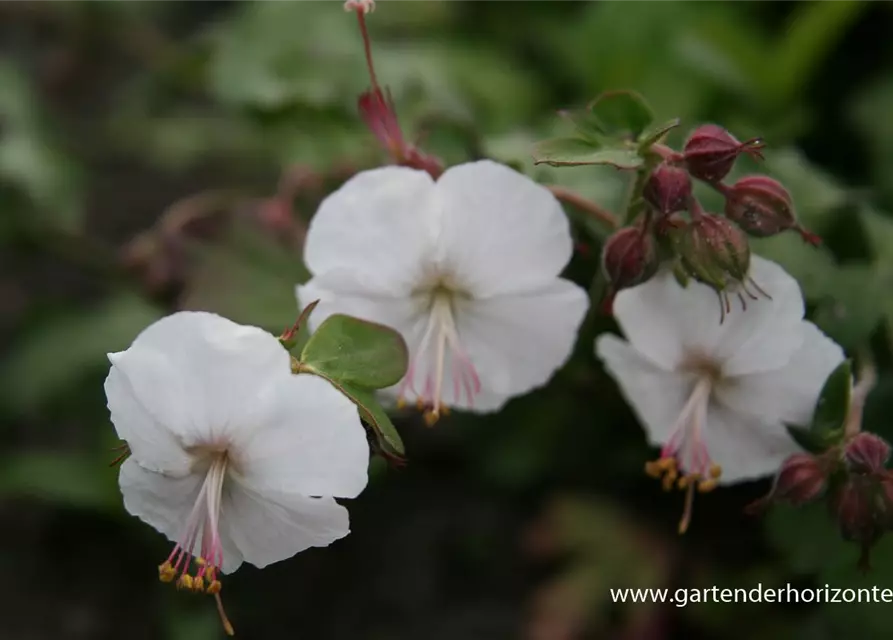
(233,457)
(466,268)
(716,395)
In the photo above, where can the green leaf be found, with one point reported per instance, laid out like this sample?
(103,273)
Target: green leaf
(586,124)
(621,113)
(657,134)
(375,416)
(813,442)
(356,352)
(564,152)
(55,355)
(833,404)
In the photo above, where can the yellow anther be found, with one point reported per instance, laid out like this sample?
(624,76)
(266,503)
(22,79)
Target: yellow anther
(166,572)
(652,470)
(715,471)
(401,402)
(667,482)
(198,585)
(185,582)
(683,483)
(431,417)
(707,485)
(201,561)
(420,404)
(667,463)
(214,587)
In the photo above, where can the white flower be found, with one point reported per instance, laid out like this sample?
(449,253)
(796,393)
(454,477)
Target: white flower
(466,268)
(717,395)
(233,457)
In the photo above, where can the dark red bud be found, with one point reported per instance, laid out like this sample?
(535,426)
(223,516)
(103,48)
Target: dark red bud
(629,258)
(711,151)
(867,453)
(801,479)
(852,507)
(763,207)
(668,189)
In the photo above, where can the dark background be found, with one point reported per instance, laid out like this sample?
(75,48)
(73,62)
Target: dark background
(156,156)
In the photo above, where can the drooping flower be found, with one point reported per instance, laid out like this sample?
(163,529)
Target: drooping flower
(233,457)
(717,396)
(466,268)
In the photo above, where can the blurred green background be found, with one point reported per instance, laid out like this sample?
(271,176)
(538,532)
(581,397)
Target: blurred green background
(156,156)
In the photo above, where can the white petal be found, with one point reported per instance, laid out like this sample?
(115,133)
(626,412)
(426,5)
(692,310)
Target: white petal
(501,231)
(349,293)
(789,394)
(165,503)
(516,342)
(381,222)
(667,322)
(656,396)
(310,441)
(150,441)
(744,446)
(270,527)
(196,375)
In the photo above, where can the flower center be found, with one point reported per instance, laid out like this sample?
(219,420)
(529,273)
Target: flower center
(684,460)
(440,359)
(201,532)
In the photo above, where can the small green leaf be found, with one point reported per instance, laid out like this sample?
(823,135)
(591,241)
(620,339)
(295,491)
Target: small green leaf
(564,152)
(814,442)
(833,405)
(657,134)
(585,123)
(374,415)
(621,113)
(358,352)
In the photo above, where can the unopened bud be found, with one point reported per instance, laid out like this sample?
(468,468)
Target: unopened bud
(867,453)
(711,151)
(763,207)
(854,510)
(668,189)
(714,251)
(802,478)
(629,258)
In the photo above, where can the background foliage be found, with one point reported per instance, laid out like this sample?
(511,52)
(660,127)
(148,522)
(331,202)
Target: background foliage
(156,156)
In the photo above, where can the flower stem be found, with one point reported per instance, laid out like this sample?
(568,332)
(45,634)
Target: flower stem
(367,47)
(584,204)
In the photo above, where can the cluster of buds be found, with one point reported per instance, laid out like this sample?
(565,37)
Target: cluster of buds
(852,477)
(710,248)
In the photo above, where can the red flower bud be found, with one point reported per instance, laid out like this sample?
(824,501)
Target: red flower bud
(851,506)
(867,453)
(629,257)
(668,189)
(711,151)
(763,207)
(801,479)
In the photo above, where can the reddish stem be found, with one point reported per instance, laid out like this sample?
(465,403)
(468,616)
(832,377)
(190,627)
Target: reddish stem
(367,47)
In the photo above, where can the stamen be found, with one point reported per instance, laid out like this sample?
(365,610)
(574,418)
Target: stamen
(204,518)
(440,349)
(685,462)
